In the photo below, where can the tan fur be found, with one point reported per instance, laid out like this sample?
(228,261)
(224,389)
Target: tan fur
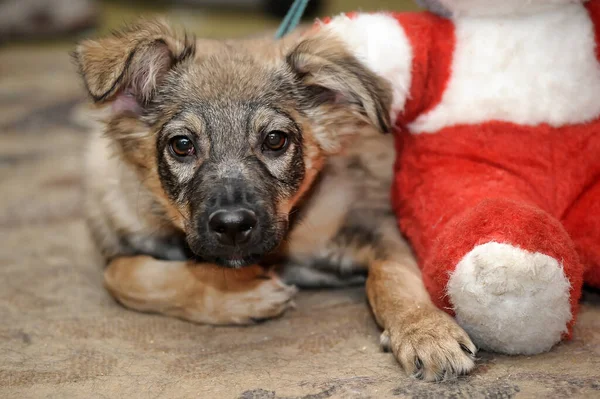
(426,341)
(138,54)
(314,158)
(343,200)
(199,293)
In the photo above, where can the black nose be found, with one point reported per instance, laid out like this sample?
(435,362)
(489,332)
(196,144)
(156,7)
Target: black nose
(232,226)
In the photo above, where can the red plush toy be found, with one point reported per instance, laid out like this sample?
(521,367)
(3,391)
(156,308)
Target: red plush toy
(497,184)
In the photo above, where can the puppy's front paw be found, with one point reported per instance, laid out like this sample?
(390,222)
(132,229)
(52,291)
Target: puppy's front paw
(430,346)
(266,298)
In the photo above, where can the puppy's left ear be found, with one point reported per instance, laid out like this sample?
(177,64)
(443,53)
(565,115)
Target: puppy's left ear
(132,61)
(339,86)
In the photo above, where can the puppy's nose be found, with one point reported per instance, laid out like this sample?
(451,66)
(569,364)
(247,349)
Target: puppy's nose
(232,226)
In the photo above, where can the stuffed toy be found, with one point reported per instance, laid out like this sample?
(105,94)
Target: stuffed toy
(497,179)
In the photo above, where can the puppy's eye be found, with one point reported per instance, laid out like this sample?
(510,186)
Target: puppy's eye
(275,141)
(182,146)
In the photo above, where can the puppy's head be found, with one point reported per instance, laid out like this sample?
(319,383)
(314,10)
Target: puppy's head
(229,135)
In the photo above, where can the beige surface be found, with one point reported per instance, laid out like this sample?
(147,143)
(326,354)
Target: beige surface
(62,336)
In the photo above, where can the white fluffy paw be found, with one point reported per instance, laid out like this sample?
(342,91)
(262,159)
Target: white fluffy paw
(510,300)
(430,346)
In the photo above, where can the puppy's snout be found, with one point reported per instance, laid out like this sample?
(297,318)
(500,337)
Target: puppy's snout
(232,226)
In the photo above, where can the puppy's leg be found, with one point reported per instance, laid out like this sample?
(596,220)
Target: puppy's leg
(197,292)
(427,342)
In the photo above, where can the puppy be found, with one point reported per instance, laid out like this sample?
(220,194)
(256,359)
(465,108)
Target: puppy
(220,157)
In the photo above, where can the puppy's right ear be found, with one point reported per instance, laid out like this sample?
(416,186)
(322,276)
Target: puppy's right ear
(131,63)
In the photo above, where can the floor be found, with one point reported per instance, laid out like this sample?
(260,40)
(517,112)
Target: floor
(62,336)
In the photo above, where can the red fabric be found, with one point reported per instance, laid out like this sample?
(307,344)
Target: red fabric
(593,8)
(507,221)
(432,41)
(582,221)
(537,188)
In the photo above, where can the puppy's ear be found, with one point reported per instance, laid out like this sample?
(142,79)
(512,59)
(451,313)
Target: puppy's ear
(336,79)
(131,62)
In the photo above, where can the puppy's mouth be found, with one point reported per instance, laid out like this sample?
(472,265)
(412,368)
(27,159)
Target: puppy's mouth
(233,259)
(237,261)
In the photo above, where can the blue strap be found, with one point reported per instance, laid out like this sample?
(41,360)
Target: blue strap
(292,18)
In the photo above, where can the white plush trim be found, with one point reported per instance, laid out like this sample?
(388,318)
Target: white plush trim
(501,7)
(510,300)
(529,70)
(379,41)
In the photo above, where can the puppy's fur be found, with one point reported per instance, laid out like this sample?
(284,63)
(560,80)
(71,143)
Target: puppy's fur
(320,205)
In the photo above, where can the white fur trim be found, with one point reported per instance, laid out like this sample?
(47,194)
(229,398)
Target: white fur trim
(501,7)
(534,69)
(379,41)
(510,300)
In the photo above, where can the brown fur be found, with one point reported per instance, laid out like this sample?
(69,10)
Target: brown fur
(142,207)
(202,293)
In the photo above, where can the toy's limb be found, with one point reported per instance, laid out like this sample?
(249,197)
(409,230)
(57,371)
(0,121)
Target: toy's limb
(475,214)
(511,275)
(582,221)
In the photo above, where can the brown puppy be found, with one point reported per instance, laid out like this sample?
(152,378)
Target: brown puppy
(220,156)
